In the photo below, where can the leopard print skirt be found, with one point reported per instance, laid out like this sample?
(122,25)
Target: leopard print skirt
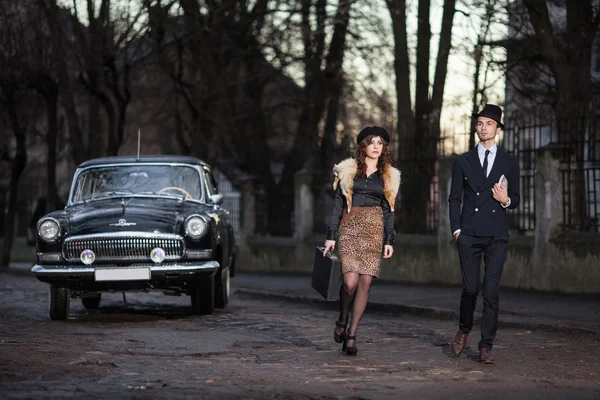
(361,240)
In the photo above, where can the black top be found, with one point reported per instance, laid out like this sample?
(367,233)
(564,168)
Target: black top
(367,192)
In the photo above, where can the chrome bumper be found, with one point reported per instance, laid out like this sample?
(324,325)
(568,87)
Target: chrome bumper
(155,269)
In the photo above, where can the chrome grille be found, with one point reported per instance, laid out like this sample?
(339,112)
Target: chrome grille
(123,248)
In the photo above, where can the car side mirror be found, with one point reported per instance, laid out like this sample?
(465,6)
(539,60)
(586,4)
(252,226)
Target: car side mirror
(216,198)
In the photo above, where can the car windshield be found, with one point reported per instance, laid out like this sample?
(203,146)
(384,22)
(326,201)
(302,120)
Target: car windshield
(134,180)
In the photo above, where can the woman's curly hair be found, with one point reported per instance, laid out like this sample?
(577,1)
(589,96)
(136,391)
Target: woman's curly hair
(385,158)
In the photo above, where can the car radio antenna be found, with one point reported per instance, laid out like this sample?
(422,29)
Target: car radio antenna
(138,149)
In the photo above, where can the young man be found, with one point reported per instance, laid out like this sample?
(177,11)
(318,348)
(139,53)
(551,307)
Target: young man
(481,227)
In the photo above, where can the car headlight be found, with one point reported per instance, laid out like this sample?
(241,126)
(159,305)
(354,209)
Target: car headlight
(49,229)
(195,227)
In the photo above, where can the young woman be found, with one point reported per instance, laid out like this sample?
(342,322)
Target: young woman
(366,187)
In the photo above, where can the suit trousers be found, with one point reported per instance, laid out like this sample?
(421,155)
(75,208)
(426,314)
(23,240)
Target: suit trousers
(470,250)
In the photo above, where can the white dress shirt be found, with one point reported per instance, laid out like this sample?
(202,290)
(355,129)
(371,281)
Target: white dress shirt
(491,158)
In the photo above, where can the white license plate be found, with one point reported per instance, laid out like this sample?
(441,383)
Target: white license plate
(122,274)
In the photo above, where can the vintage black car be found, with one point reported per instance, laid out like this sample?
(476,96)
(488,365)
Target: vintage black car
(150,223)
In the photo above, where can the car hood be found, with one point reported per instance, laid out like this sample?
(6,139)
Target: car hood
(131,214)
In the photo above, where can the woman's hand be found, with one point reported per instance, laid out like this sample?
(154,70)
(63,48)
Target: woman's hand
(387,251)
(329,244)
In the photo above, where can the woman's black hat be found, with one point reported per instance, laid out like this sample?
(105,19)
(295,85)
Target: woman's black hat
(375,131)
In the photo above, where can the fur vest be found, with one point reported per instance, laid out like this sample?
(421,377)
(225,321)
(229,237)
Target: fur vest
(345,172)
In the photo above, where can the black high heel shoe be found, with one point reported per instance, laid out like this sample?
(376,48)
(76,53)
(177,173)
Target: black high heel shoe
(350,350)
(339,337)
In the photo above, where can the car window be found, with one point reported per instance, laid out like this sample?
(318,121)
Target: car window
(123,180)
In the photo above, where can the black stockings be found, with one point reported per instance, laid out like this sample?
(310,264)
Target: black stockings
(355,292)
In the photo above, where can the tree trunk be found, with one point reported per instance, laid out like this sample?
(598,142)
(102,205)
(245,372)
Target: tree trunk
(334,81)
(419,133)
(474,100)
(439,84)
(478,58)
(405,117)
(112,147)
(329,140)
(95,142)
(317,92)
(18,166)
(78,150)
(122,93)
(51,97)
(418,173)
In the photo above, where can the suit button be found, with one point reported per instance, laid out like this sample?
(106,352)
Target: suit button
(477,209)
(493,210)
(477,193)
(465,178)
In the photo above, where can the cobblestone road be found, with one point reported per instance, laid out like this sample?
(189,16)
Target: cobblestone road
(152,347)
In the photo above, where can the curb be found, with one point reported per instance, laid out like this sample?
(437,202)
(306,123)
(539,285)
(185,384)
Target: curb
(510,320)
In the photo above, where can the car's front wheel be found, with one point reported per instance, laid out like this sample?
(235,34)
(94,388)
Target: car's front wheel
(60,302)
(91,302)
(203,297)
(223,289)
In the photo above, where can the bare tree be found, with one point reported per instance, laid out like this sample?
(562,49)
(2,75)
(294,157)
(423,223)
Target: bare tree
(225,42)
(322,85)
(64,66)
(44,79)
(419,132)
(13,85)
(493,13)
(105,51)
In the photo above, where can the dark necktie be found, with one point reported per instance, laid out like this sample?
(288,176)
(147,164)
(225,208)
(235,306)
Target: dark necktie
(485,162)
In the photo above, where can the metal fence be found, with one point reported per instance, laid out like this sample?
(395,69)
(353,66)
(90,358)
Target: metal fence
(577,141)
(522,136)
(573,217)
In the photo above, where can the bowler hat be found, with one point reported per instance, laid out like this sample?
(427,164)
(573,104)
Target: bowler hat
(491,111)
(375,131)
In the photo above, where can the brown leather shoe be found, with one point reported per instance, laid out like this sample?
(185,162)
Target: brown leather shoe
(485,356)
(459,343)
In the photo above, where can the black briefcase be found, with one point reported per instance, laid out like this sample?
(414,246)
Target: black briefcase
(327,274)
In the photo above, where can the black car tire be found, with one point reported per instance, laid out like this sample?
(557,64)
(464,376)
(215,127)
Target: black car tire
(60,302)
(91,302)
(223,289)
(203,297)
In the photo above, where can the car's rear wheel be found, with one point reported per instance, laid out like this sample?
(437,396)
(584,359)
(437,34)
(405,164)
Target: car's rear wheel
(203,297)
(91,302)
(223,289)
(60,302)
